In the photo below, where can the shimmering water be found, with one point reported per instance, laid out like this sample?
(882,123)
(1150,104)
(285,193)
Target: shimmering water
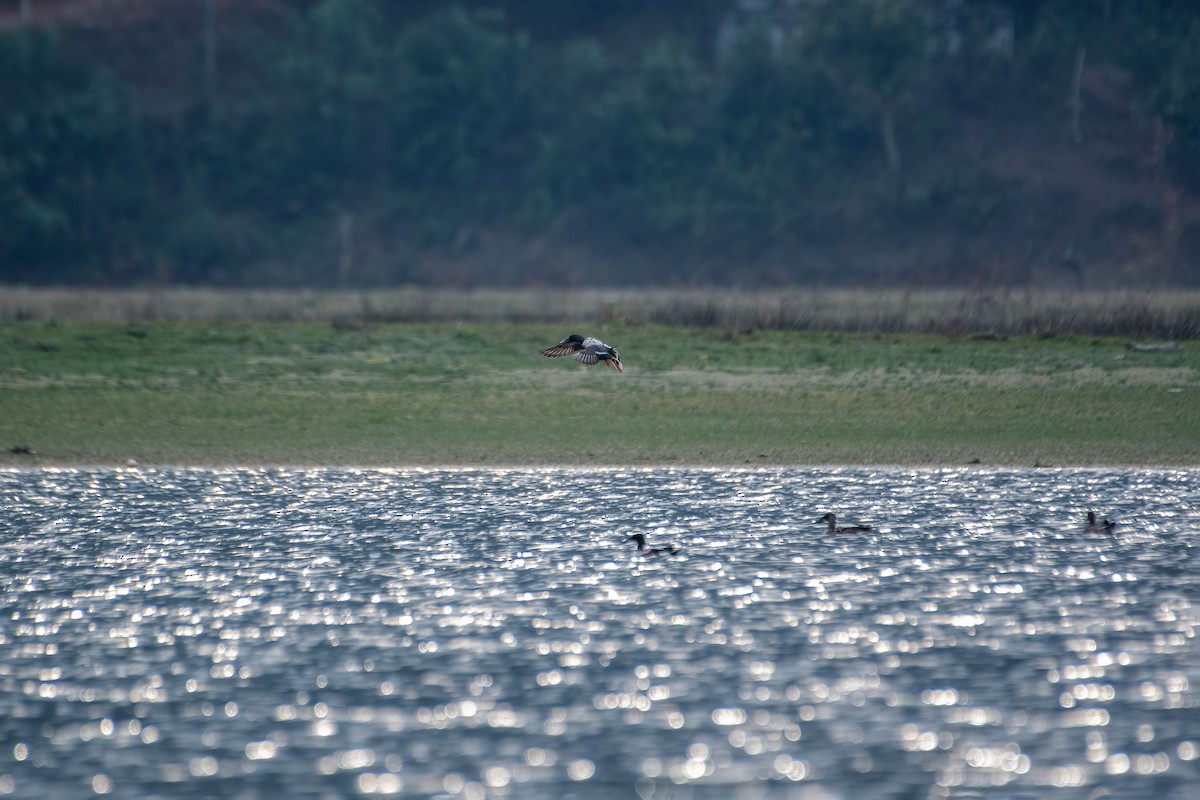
(489,633)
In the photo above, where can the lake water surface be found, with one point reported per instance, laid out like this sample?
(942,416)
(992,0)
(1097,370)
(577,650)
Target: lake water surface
(480,633)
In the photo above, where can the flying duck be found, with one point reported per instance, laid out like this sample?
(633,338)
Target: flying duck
(585,351)
(1093,525)
(652,551)
(833,526)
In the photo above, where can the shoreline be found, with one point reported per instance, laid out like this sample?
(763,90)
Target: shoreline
(12,465)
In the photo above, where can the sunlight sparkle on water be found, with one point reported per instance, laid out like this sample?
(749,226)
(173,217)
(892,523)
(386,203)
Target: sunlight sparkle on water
(476,633)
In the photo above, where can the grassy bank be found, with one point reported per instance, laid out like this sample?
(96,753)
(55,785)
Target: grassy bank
(204,392)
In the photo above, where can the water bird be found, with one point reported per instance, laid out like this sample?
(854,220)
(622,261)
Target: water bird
(585,350)
(1104,525)
(833,526)
(669,550)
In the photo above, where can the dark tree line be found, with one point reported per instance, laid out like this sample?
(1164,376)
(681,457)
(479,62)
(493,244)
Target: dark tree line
(353,142)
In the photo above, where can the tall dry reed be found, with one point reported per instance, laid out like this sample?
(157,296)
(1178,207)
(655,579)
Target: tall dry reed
(1136,314)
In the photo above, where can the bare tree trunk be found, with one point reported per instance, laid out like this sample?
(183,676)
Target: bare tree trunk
(345,247)
(1161,141)
(1076,100)
(87,214)
(887,130)
(210,53)
(1172,216)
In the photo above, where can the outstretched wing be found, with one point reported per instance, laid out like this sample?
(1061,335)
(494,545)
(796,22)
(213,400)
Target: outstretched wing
(588,356)
(597,352)
(562,350)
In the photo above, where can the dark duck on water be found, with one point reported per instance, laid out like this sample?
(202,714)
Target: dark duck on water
(585,350)
(835,528)
(1093,525)
(651,551)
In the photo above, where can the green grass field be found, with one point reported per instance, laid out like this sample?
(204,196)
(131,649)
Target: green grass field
(221,393)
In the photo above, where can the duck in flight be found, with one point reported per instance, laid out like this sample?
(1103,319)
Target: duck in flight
(833,526)
(669,550)
(585,351)
(1093,525)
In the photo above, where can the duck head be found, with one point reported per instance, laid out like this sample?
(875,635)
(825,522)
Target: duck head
(639,538)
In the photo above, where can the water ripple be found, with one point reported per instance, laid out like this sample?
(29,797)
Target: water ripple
(478,633)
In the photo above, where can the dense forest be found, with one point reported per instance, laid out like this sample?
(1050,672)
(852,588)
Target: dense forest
(600,142)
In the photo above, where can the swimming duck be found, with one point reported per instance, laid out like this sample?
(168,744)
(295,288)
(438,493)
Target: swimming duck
(585,351)
(833,526)
(651,551)
(1093,525)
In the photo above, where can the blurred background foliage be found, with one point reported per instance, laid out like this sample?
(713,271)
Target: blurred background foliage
(599,142)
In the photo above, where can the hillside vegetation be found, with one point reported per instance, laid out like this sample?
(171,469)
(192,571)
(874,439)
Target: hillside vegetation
(601,142)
